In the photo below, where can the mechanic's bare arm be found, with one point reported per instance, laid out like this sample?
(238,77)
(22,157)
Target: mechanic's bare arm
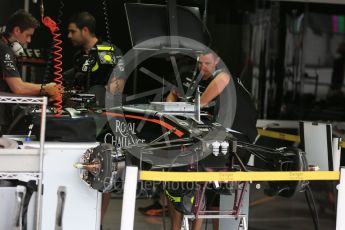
(18,86)
(116,85)
(216,86)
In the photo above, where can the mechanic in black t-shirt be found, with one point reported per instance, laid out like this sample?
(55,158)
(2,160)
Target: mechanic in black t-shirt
(93,65)
(19,29)
(218,88)
(94,62)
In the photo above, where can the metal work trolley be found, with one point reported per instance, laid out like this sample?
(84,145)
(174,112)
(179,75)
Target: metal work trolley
(26,164)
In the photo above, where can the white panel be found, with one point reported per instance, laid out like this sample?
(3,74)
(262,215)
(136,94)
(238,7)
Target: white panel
(341,201)
(129,198)
(336,153)
(8,208)
(317,143)
(81,202)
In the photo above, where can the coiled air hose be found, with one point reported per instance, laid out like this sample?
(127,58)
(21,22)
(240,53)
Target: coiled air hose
(48,22)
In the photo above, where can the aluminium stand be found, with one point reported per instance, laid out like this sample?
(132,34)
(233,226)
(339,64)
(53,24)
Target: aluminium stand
(38,176)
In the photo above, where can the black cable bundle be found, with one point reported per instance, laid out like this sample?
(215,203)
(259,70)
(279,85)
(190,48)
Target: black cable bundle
(60,14)
(106,19)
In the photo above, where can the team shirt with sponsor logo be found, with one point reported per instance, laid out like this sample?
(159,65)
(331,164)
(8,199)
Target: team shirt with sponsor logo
(8,66)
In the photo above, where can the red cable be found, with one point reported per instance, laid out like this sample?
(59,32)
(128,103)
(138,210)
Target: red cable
(48,22)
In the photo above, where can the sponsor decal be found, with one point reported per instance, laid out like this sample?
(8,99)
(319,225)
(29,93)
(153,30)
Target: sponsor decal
(8,62)
(124,135)
(7,57)
(32,53)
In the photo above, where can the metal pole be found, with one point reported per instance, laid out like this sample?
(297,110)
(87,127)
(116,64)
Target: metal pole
(24,67)
(341,201)
(40,179)
(197,105)
(172,19)
(129,196)
(336,152)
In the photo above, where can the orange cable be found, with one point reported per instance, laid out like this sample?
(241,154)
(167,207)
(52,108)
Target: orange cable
(48,22)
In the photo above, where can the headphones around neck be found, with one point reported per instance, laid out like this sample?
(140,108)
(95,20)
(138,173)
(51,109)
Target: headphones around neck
(16,47)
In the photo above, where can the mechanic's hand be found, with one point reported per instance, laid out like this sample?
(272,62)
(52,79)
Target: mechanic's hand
(51,90)
(116,85)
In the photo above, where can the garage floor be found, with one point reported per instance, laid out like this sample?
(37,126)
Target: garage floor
(266,213)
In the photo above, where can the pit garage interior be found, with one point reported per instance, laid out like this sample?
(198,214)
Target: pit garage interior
(58,161)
